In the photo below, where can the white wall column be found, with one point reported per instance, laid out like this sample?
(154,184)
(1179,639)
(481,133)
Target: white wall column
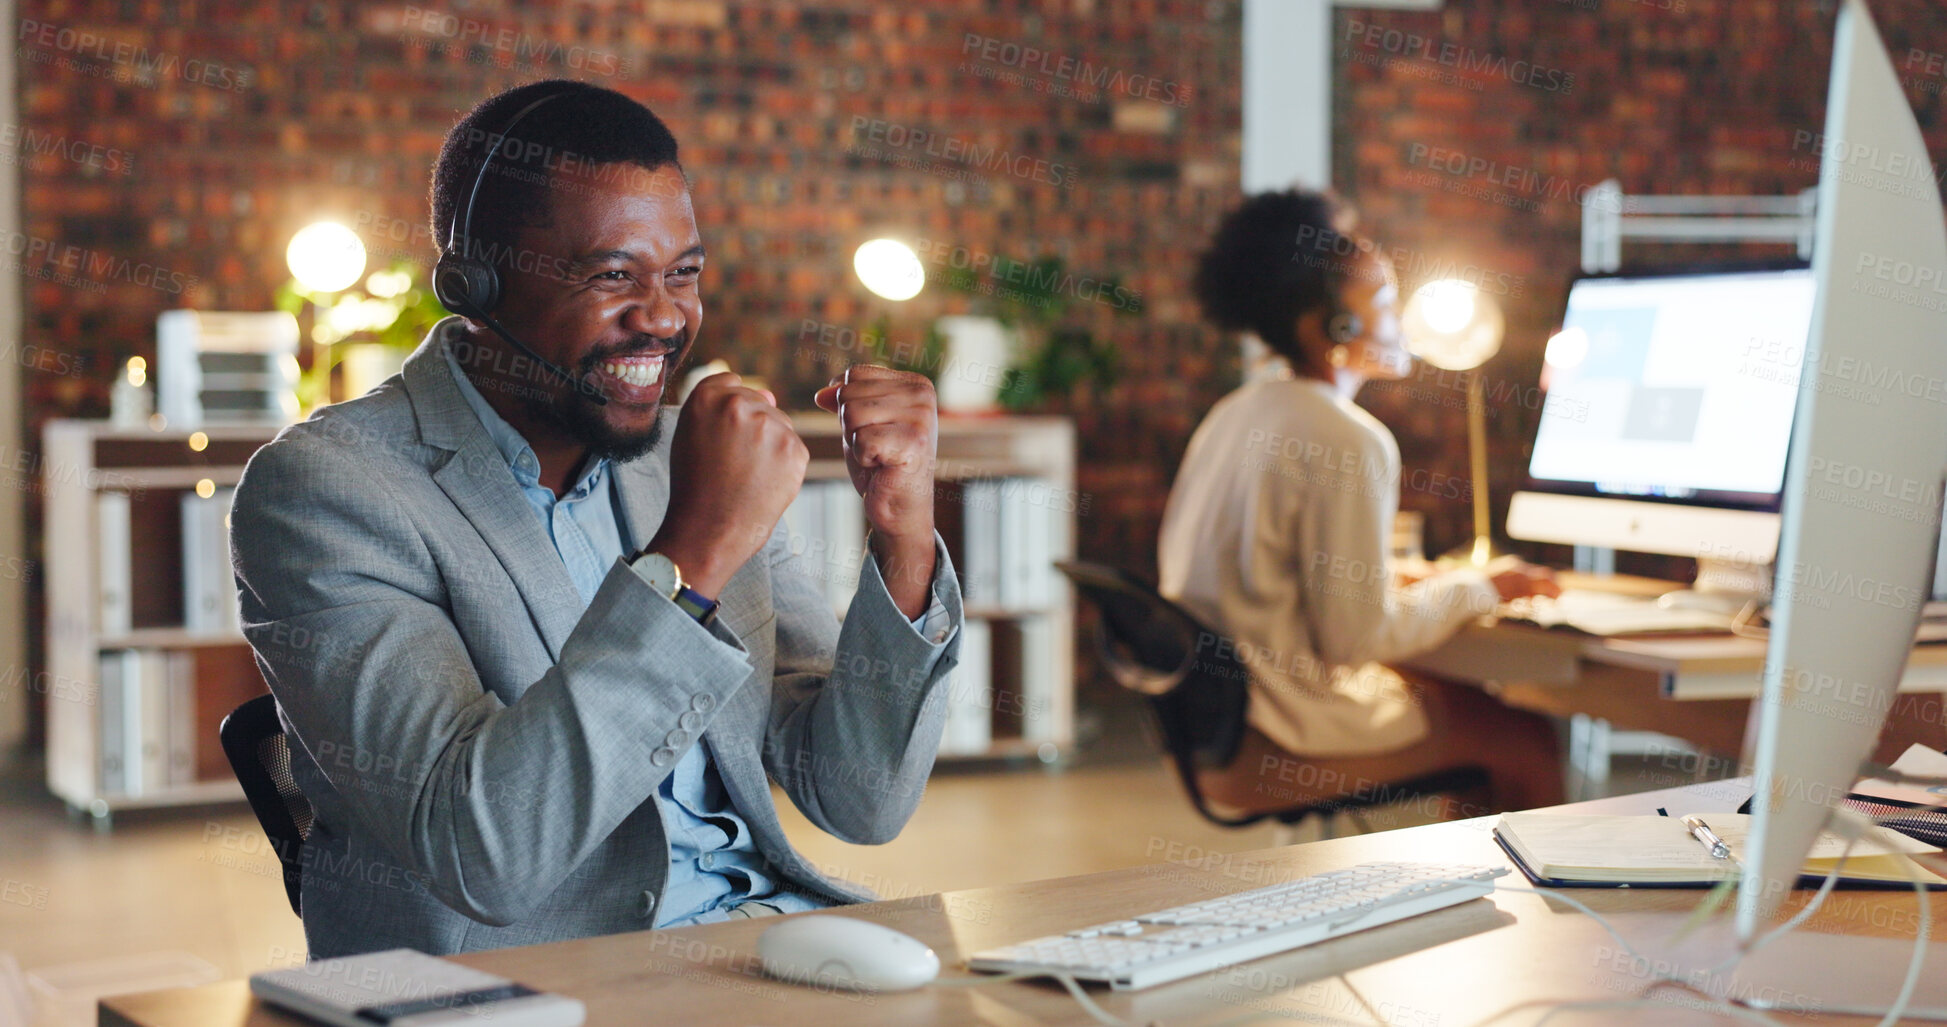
(1287,94)
(13,586)
(1288,63)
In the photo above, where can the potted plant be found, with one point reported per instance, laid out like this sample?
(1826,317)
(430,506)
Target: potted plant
(1036,303)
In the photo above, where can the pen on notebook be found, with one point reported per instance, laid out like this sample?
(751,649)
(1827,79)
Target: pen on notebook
(1718,849)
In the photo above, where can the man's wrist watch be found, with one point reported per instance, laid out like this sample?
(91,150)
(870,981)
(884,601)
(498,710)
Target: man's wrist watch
(667,579)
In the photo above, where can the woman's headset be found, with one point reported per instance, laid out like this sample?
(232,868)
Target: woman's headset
(1344,327)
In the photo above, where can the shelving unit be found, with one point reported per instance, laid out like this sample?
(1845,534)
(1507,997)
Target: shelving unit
(1027,689)
(1030,698)
(80,461)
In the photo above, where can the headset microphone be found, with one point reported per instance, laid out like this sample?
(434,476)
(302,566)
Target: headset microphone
(470,286)
(458,305)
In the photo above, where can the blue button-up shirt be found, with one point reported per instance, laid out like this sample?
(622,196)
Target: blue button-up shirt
(713,862)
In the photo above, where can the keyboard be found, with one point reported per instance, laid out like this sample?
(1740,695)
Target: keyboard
(1183,941)
(1609,613)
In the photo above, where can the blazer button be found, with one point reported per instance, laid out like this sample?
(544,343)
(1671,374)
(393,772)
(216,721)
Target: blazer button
(703,703)
(690,721)
(662,758)
(677,739)
(648,903)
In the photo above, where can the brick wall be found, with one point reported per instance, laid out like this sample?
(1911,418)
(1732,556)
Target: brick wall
(1470,135)
(181,144)
(218,129)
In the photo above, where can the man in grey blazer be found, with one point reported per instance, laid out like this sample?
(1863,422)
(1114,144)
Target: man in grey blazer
(538,640)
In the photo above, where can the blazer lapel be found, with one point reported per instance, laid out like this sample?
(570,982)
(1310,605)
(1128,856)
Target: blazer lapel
(478,481)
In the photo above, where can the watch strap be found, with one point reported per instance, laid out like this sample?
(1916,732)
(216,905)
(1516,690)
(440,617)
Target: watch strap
(694,603)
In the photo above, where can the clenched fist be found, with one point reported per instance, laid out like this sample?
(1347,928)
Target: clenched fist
(735,463)
(890,424)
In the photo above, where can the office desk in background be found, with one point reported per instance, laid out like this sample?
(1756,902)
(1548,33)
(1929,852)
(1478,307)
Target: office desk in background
(1456,966)
(1695,687)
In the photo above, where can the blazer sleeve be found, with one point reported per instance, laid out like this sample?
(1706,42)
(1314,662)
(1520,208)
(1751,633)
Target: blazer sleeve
(1344,524)
(494,805)
(856,717)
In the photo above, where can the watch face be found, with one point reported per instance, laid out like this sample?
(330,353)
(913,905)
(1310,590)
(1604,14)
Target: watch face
(661,572)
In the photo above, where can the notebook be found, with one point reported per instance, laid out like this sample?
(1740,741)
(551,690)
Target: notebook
(403,988)
(1565,850)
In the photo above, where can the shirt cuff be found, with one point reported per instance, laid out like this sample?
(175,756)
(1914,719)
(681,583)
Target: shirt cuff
(935,626)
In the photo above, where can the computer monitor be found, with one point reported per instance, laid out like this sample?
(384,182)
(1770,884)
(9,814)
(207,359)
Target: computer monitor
(1670,399)
(1854,565)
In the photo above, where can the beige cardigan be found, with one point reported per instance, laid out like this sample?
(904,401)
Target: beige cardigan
(1277,534)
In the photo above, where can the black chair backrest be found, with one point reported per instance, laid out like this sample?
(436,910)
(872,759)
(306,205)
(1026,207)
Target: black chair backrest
(1196,684)
(260,755)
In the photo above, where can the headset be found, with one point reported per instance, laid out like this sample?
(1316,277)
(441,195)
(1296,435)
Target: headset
(470,286)
(1344,327)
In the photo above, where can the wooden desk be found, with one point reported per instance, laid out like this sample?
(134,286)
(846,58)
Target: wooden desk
(1691,667)
(1696,687)
(1456,966)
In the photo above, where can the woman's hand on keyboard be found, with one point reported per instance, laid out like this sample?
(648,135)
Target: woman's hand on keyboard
(1524,579)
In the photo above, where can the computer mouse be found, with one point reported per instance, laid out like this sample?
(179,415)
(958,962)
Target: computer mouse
(844,952)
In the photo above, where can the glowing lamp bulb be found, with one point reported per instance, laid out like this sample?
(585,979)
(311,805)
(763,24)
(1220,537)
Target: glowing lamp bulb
(1449,304)
(890,269)
(325,257)
(1567,349)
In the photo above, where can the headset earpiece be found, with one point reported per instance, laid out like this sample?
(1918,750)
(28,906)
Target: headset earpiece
(1344,328)
(466,286)
(462,282)
(470,286)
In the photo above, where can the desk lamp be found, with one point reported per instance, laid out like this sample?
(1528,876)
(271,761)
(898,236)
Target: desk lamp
(1449,324)
(890,269)
(325,257)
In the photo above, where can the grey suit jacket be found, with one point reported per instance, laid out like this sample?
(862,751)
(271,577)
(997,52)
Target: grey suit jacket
(483,762)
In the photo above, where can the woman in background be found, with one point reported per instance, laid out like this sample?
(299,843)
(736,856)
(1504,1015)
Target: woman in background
(1278,531)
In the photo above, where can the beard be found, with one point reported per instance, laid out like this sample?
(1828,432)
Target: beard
(581,418)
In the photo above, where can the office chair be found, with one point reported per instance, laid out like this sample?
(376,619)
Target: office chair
(1199,689)
(260,755)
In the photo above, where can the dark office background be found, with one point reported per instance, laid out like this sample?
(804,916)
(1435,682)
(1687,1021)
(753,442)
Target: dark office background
(300,111)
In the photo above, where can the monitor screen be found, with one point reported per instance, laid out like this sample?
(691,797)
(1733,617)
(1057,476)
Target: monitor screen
(1675,387)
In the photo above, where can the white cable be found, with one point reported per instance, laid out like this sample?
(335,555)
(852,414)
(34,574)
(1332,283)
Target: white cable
(1818,899)
(1101,1015)
(1256,1016)
(1088,1004)
(1921,934)
(1733,1008)
(1740,1012)
(1295,1016)
(1108,1019)
(1554,893)
(1919,944)
(1654,982)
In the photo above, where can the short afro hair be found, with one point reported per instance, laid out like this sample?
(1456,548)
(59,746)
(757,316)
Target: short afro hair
(1279,255)
(580,125)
